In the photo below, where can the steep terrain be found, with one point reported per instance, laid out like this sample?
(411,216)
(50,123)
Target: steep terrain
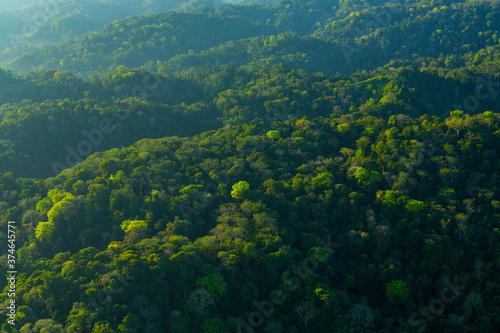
(300,166)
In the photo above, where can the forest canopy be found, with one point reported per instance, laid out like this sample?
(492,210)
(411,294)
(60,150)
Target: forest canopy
(291,166)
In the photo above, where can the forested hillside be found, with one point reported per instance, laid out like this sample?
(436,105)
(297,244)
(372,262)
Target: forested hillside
(323,41)
(36,23)
(291,166)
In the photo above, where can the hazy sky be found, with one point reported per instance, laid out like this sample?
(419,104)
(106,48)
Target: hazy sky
(13,4)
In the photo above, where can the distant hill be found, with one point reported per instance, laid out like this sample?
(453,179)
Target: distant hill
(28,24)
(315,36)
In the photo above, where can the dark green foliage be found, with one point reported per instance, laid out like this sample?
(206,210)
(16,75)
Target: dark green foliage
(219,183)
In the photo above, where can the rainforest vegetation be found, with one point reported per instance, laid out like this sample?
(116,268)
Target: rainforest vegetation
(263,166)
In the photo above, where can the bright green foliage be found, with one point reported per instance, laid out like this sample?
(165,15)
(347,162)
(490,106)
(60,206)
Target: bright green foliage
(370,131)
(130,225)
(364,176)
(447,194)
(415,206)
(275,135)
(343,128)
(120,177)
(44,231)
(324,179)
(389,197)
(60,207)
(239,189)
(214,284)
(397,291)
(57,196)
(43,205)
(213,325)
(323,293)
(191,190)
(102,327)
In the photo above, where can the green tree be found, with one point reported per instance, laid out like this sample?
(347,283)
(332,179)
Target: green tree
(363,176)
(130,225)
(214,284)
(323,180)
(44,231)
(102,327)
(274,135)
(98,195)
(191,191)
(343,128)
(213,325)
(415,206)
(131,323)
(239,190)
(397,291)
(108,167)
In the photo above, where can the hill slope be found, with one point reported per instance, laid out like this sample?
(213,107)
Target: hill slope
(305,166)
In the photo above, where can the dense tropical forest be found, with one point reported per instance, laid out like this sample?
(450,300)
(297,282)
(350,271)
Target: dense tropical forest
(252,166)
